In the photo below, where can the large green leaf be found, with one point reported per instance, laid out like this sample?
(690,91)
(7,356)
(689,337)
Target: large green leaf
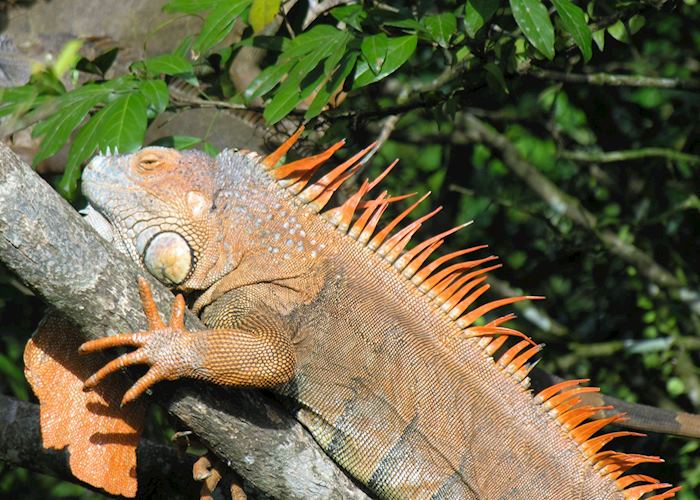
(125,123)
(156,94)
(533,19)
(266,80)
(121,124)
(326,91)
(262,12)
(574,20)
(399,49)
(284,101)
(71,111)
(374,49)
(477,13)
(218,24)
(56,130)
(306,62)
(441,27)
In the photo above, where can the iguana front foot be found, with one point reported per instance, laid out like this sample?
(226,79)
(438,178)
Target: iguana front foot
(164,348)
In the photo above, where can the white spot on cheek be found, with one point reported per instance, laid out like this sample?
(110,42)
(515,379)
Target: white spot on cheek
(197,203)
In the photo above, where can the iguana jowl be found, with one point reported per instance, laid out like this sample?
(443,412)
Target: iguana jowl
(376,347)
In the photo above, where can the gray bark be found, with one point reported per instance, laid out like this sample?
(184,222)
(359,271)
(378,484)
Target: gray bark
(54,252)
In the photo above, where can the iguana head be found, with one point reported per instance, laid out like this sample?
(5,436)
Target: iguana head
(157,205)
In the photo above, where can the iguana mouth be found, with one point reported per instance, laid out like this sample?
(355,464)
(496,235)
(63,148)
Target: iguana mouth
(98,222)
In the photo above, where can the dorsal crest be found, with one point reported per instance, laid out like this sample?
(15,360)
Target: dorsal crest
(453,289)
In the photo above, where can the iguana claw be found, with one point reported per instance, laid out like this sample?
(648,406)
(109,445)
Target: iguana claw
(156,347)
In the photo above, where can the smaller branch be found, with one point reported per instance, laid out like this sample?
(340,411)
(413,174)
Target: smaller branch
(387,128)
(535,315)
(633,346)
(631,154)
(317,8)
(570,207)
(612,80)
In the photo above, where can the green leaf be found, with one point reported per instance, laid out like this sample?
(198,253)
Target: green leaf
(57,129)
(636,23)
(285,100)
(262,12)
(532,17)
(120,124)
(399,49)
(67,58)
(495,78)
(100,64)
(168,64)
(210,150)
(352,15)
(326,91)
(599,39)
(156,94)
(441,27)
(16,97)
(218,24)
(318,38)
(374,49)
(266,80)
(477,13)
(177,141)
(125,123)
(190,6)
(408,24)
(574,21)
(619,32)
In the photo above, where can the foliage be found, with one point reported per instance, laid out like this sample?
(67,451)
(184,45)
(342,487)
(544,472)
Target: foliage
(612,126)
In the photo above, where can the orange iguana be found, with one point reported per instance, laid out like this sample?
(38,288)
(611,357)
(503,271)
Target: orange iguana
(376,347)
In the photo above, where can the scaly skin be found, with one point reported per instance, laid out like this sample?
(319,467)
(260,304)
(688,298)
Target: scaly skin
(410,401)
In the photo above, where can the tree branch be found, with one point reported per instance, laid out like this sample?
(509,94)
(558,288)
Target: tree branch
(630,154)
(568,206)
(159,467)
(612,80)
(53,251)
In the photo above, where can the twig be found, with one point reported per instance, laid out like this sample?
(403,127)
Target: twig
(568,206)
(631,154)
(387,128)
(317,8)
(612,80)
(530,312)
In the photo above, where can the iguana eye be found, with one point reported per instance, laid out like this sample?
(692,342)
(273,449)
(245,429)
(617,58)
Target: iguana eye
(150,161)
(168,257)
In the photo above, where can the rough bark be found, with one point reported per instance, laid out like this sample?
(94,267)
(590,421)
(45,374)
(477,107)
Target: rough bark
(53,251)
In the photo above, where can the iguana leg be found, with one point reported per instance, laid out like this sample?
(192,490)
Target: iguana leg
(257,354)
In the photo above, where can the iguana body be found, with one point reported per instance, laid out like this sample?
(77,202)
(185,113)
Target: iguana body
(375,348)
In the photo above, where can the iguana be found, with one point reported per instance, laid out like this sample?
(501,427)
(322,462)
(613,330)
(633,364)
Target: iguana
(377,349)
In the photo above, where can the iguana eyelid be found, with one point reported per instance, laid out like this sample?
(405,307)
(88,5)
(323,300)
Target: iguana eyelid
(149,162)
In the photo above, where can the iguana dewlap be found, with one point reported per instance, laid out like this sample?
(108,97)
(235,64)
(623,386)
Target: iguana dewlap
(376,346)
